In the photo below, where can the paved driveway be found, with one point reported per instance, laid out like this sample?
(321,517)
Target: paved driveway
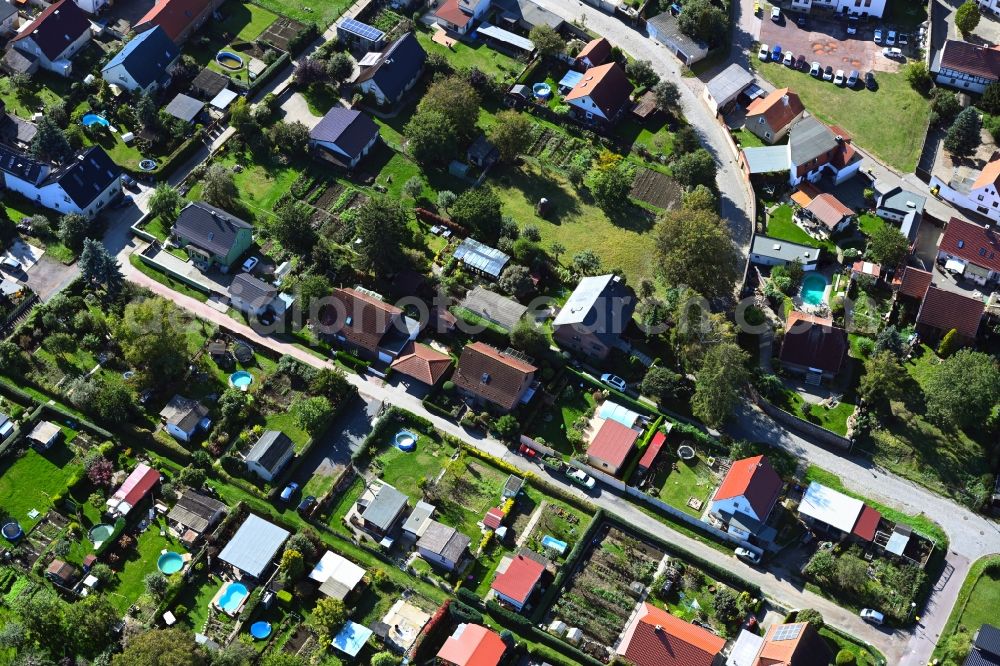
(341,440)
(828,43)
(295,108)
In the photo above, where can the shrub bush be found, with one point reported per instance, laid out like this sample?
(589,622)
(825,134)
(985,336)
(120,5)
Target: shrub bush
(845,658)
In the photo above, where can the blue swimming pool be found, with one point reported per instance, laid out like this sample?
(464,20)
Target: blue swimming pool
(93,119)
(170,563)
(232,597)
(813,289)
(241,379)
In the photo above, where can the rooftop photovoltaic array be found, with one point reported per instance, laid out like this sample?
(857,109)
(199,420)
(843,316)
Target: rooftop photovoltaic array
(787,632)
(362,30)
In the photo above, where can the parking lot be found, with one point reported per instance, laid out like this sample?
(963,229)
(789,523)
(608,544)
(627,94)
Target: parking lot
(827,42)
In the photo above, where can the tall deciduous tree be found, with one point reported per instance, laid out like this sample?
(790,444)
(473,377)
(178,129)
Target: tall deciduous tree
(479,209)
(431,137)
(887,246)
(219,188)
(327,616)
(529,338)
(73,229)
(291,226)
(457,100)
(152,338)
(883,379)
(964,389)
(511,134)
(381,225)
(963,136)
(611,187)
(161,647)
(667,95)
(165,203)
(967,16)
(719,383)
(702,19)
(50,143)
(694,169)
(547,41)
(694,249)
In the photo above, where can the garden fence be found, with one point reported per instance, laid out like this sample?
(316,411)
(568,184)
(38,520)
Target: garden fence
(805,427)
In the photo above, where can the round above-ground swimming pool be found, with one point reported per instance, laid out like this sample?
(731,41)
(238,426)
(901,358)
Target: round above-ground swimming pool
(93,119)
(685,452)
(813,289)
(260,630)
(542,90)
(170,563)
(232,597)
(229,60)
(406,440)
(11,531)
(147,164)
(241,379)
(101,533)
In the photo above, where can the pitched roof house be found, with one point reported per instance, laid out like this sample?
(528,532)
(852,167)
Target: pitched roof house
(194,513)
(985,647)
(725,87)
(442,545)
(384,509)
(494,307)
(496,377)
(393,71)
(747,496)
(423,363)
(601,94)
(343,136)
(814,148)
(178,18)
(974,246)
(824,216)
(912,282)
(594,316)
(611,446)
(654,637)
(85,184)
(770,118)
(360,320)
(796,644)
(55,36)
(981,194)
(967,67)
(595,52)
(902,206)
(211,236)
(254,546)
(254,297)
(270,454)
(813,345)
(768,251)
(515,583)
(337,575)
(183,417)
(144,63)
(525,15)
(472,645)
(944,310)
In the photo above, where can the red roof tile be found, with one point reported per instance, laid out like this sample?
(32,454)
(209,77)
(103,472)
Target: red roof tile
(606,85)
(946,310)
(612,443)
(912,282)
(492,374)
(174,16)
(520,578)
(653,450)
(778,109)
(971,58)
(657,638)
(422,363)
(450,12)
(803,647)
(472,645)
(867,522)
(360,318)
(136,486)
(828,209)
(597,51)
(867,268)
(973,243)
(493,518)
(988,176)
(754,479)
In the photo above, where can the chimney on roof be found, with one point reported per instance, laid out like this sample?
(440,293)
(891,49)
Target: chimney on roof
(658,628)
(840,139)
(784,99)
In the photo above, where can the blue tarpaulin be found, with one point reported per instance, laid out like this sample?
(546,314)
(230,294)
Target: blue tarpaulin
(569,81)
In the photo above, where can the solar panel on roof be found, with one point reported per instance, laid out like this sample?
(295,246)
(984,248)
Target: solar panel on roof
(362,30)
(787,632)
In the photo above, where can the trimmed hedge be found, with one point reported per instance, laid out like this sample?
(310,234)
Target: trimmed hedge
(353,362)
(521,625)
(464,613)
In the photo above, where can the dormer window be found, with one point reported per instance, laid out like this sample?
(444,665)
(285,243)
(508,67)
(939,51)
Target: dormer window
(485,378)
(961,244)
(349,321)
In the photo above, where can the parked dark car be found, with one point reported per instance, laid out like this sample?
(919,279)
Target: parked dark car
(129,182)
(306,505)
(870,82)
(800,63)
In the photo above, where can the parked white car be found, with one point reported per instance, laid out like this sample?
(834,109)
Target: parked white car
(747,555)
(890,39)
(764,53)
(789,59)
(816,70)
(838,78)
(582,478)
(872,616)
(615,382)
(776,14)
(878,35)
(894,53)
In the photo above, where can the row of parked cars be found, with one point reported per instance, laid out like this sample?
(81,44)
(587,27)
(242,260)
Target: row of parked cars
(851,79)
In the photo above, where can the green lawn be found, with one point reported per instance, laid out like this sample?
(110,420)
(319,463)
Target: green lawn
(47,89)
(575,221)
(260,185)
(747,139)
(869,224)
(406,471)
(863,113)
(469,488)
(321,12)
(780,225)
(832,419)
(552,423)
(30,482)
(689,480)
(464,56)
(141,560)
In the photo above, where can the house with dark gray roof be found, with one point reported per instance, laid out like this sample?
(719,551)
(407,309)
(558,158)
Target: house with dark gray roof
(664,29)
(985,649)
(8,18)
(902,206)
(144,63)
(815,149)
(343,136)
(194,514)
(442,545)
(594,316)
(523,15)
(15,131)
(767,251)
(380,509)
(207,84)
(270,455)
(254,297)
(392,72)
(55,36)
(183,417)
(84,184)
(211,236)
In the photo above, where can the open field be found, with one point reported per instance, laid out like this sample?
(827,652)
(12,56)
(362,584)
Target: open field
(863,113)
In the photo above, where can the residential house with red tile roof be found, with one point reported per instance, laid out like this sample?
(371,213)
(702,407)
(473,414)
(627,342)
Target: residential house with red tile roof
(654,637)
(595,52)
(912,282)
(981,195)
(795,644)
(965,66)
(423,363)
(943,310)
(813,346)
(461,15)
(770,118)
(747,496)
(491,376)
(517,581)
(825,216)
(611,446)
(178,18)
(54,37)
(472,645)
(362,322)
(600,95)
(975,247)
